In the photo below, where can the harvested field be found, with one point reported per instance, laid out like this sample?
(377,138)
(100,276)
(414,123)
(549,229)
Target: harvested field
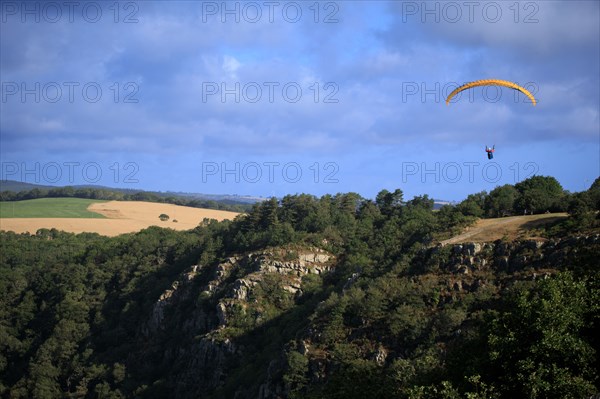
(120,217)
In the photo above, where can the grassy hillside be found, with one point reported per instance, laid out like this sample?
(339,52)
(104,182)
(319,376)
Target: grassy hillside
(49,208)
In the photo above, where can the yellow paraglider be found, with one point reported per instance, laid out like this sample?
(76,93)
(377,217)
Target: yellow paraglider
(491,82)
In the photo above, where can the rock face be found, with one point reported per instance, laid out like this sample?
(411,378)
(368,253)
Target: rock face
(201,305)
(508,256)
(471,264)
(316,262)
(294,265)
(381,356)
(208,309)
(462,268)
(179,291)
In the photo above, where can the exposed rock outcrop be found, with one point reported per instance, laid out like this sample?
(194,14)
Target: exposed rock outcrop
(509,256)
(179,291)
(213,298)
(294,265)
(462,268)
(316,262)
(212,308)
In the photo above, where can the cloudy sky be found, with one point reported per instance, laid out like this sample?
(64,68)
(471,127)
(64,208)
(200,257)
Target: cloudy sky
(274,98)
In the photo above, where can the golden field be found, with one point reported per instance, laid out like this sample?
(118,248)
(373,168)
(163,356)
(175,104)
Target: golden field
(121,217)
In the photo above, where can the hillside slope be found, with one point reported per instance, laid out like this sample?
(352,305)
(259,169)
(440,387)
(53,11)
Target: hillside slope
(259,317)
(303,298)
(488,230)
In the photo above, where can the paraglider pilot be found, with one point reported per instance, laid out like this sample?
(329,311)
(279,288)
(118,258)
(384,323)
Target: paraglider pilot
(490,151)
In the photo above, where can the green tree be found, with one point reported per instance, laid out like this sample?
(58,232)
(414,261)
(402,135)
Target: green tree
(268,213)
(388,202)
(501,201)
(537,345)
(473,205)
(581,211)
(421,201)
(540,194)
(594,194)
(295,375)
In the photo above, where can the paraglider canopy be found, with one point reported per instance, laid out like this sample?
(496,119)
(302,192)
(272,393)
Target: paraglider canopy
(491,82)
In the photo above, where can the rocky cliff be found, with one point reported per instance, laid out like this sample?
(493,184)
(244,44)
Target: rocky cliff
(218,312)
(209,307)
(478,268)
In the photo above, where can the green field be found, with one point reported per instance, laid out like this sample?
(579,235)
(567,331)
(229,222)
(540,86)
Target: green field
(49,208)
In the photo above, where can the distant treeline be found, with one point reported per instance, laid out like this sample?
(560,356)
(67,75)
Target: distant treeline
(113,195)
(538,194)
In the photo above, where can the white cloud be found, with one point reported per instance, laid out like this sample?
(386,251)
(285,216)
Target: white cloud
(230,66)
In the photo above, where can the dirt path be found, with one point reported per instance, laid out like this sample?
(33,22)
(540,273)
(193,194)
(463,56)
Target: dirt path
(486,230)
(123,217)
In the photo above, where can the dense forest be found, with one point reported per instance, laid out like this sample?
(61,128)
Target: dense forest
(305,297)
